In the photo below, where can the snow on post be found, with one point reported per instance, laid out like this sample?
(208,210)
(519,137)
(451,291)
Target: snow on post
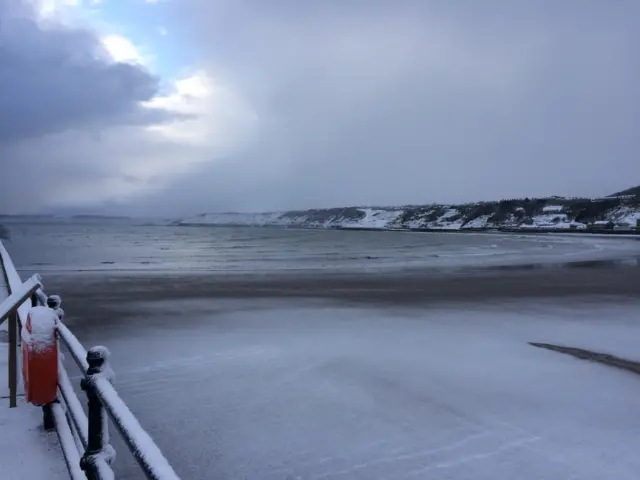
(54,302)
(78,353)
(74,407)
(40,330)
(98,450)
(18,298)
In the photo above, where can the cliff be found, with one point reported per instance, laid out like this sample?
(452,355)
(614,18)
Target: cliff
(542,213)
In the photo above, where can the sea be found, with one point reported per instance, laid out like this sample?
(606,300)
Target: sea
(282,388)
(80,246)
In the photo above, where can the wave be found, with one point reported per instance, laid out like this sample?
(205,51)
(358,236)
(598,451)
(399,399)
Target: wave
(5,233)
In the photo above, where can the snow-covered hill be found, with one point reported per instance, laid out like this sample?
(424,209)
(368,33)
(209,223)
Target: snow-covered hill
(329,218)
(553,213)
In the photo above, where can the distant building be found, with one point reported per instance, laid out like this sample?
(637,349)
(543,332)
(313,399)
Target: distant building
(552,209)
(601,225)
(620,197)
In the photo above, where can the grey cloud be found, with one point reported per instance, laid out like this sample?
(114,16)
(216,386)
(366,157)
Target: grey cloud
(380,102)
(412,101)
(75,169)
(59,94)
(54,78)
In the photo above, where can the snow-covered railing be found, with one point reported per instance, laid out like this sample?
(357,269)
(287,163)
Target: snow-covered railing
(84,438)
(14,281)
(9,312)
(92,434)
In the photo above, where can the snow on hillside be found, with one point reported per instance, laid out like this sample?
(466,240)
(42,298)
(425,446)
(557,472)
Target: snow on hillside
(552,209)
(244,219)
(374,219)
(354,218)
(480,222)
(449,220)
(513,214)
(551,220)
(625,215)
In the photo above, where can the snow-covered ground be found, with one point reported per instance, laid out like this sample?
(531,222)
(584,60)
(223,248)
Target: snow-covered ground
(314,391)
(26,450)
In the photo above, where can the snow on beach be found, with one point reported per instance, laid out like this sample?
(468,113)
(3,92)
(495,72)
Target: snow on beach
(26,451)
(316,391)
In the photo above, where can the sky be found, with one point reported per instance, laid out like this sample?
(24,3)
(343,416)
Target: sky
(178,107)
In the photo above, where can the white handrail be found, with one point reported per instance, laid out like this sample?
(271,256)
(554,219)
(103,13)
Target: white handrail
(14,281)
(91,430)
(19,296)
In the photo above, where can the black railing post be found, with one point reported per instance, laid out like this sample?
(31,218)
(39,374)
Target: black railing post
(98,441)
(48,422)
(13,359)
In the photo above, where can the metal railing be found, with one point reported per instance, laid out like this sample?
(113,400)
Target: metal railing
(84,439)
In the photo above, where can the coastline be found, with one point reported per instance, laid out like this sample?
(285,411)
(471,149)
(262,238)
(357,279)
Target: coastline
(546,215)
(519,231)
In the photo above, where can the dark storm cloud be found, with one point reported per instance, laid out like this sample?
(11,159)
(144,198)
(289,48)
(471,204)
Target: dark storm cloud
(54,78)
(60,91)
(419,101)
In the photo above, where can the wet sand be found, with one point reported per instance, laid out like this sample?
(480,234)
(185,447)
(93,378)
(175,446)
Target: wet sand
(101,305)
(82,294)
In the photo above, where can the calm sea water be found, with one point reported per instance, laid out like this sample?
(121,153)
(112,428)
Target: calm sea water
(117,247)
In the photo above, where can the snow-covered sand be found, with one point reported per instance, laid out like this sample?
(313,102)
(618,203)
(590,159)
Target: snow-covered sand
(255,389)
(26,450)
